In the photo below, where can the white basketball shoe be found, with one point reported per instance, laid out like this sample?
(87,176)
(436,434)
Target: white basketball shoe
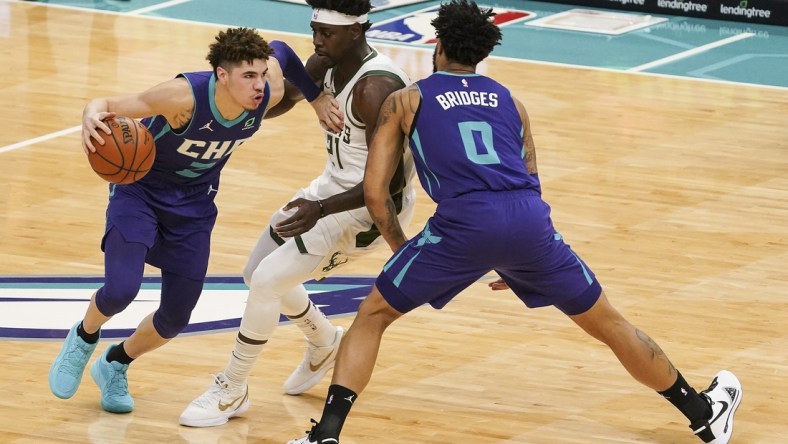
(217,405)
(306,440)
(317,361)
(724,395)
(309,440)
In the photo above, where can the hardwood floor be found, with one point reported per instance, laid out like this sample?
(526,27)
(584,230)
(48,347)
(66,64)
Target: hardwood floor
(674,191)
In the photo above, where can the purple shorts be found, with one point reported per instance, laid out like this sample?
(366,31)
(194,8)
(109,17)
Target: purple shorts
(174,222)
(468,236)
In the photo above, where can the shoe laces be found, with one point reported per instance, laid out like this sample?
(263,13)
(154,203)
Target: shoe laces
(712,386)
(215,392)
(75,358)
(118,381)
(706,395)
(310,438)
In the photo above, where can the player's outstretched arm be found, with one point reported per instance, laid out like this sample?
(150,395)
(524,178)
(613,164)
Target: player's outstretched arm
(316,66)
(303,83)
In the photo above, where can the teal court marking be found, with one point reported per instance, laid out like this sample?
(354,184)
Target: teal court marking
(682,46)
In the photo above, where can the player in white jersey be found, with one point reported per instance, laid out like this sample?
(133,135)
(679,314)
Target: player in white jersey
(348,234)
(325,225)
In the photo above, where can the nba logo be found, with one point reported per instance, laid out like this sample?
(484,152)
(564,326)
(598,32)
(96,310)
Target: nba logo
(415,28)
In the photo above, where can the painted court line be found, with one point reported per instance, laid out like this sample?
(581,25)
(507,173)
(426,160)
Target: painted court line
(43,138)
(699,49)
(157,7)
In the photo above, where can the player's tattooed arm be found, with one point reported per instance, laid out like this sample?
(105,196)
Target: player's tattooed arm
(389,225)
(383,161)
(402,105)
(405,106)
(182,118)
(528,141)
(387,110)
(530,152)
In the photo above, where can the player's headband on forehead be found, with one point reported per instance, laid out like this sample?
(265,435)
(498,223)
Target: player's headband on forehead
(329,17)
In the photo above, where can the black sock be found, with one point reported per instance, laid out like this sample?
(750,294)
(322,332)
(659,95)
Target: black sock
(90,338)
(338,403)
(118,353)
(687,400)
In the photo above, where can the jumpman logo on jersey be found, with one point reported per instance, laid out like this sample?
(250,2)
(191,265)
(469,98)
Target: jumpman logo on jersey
(211,188)
(207,126)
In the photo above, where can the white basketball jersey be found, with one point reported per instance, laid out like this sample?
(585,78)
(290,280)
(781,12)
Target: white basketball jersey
(347,152)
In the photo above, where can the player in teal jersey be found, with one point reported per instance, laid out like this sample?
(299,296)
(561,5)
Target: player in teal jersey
(166,219)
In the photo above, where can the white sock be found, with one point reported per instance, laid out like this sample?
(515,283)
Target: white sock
(242,360)
(317,329)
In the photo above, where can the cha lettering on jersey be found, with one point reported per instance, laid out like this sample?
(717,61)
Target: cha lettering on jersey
(207,155)
(209,150)
(451,99)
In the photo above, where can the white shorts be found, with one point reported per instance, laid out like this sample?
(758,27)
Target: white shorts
(341,237)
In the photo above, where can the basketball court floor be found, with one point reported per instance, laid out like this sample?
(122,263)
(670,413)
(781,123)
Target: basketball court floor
(678,46)
(663,149)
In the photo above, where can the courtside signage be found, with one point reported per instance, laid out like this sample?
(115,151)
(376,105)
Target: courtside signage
(377,5)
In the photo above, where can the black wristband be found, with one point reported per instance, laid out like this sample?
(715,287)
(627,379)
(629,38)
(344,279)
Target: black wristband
(322,210)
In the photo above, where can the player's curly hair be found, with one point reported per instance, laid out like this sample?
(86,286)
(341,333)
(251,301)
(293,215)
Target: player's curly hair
(467,32)
(349,7)
(237,45)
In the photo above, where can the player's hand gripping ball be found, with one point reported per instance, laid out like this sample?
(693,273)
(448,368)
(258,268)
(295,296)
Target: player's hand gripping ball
(127,154)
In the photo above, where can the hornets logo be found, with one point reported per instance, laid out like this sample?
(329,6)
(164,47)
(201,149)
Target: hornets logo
(46,307)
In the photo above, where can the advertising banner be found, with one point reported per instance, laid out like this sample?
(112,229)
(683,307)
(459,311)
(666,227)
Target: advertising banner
(768,12)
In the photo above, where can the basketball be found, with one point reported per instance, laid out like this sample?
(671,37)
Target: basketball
(127,154)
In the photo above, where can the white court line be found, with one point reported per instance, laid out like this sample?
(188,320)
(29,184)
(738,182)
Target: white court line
(699,49)
(43,138)
(157,7)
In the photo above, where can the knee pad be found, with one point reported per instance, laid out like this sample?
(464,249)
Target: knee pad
(179,296)
(168,324)
(114,297)
(124,264)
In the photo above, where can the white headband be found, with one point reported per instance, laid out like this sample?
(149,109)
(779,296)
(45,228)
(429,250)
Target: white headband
(330,17)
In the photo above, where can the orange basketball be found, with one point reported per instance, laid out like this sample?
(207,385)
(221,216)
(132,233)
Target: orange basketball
(127,154)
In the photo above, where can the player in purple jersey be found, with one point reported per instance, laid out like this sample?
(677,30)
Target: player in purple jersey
(475,156)
(166,218)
